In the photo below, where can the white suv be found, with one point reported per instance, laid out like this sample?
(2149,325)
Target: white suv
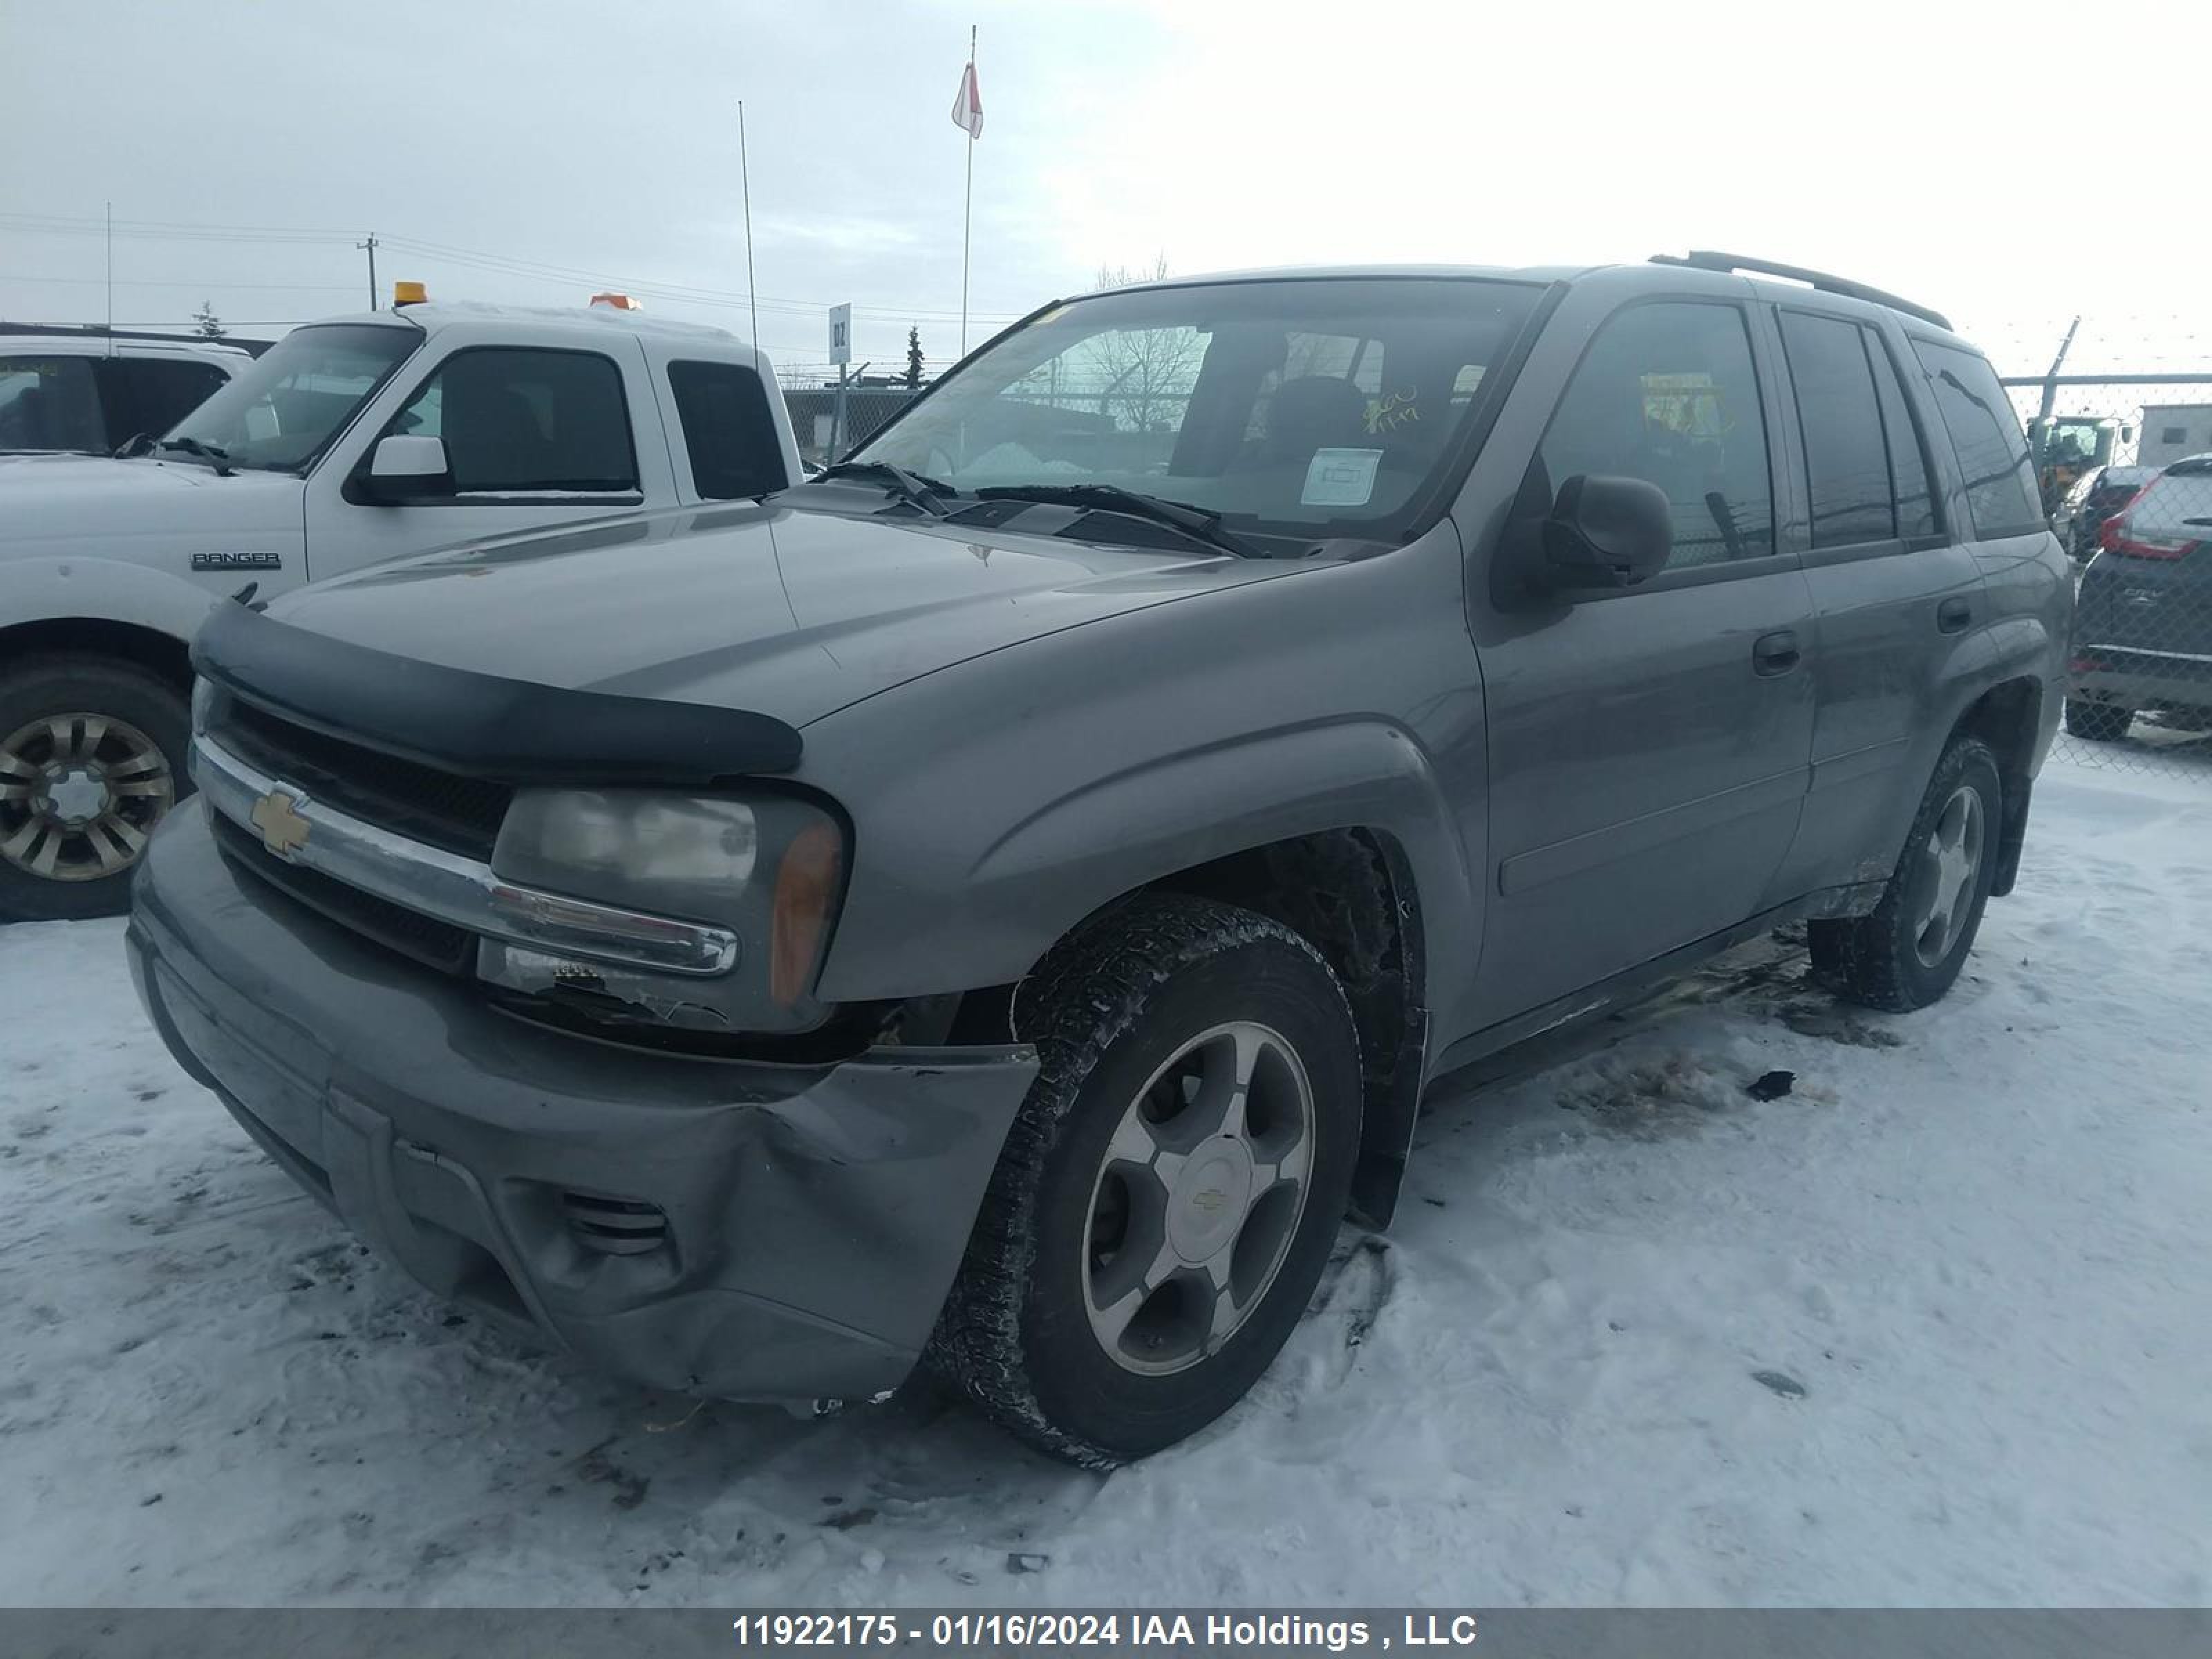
(89,394)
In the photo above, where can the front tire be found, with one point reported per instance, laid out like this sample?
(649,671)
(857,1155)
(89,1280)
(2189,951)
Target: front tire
(92,757)
(1908,952)
(1168,1195)
(2097,722)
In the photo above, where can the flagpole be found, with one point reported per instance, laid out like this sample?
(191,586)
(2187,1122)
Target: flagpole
(745,180)
(967,208)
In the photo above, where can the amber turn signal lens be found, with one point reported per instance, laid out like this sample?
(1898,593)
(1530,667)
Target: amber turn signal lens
(805,891)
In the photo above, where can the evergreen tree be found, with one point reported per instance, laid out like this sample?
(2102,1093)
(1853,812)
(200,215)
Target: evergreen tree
(206,324)
(914,360)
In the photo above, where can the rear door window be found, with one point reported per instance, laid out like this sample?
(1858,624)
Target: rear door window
(1846,462)
(1985,432)
(151,395)
(1666,393)
(517,420)
(729,431)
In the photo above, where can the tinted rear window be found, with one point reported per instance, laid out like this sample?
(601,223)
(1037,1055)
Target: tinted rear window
(2178,504)
(1846,464)
(1985,432)
(729,432)
(151,395)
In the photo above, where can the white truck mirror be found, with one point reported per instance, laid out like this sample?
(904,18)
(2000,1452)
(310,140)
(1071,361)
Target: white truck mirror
(407,467)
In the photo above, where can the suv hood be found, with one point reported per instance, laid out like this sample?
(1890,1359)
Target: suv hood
(57,503)
(793,614)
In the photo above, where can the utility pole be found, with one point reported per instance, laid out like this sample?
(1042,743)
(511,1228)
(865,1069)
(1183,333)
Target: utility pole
(370,245)
(110,210)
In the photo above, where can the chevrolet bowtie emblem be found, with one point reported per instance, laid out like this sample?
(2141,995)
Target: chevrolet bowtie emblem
(283,828)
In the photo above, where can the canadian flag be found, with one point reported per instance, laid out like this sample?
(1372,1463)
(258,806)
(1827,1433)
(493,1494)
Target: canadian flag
(968,108)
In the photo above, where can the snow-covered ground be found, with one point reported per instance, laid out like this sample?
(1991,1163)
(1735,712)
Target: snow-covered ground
(1971,1249)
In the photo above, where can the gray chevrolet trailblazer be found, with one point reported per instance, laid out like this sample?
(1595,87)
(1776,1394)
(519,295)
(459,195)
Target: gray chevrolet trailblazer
(998,905)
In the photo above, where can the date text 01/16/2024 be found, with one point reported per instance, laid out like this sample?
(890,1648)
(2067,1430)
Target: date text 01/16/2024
(1245,1632)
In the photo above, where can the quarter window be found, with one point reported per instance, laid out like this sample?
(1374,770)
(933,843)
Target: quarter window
(517,421)
(1985,431)
(1846,466)
(1666,393)
(728,431)
(1908,462)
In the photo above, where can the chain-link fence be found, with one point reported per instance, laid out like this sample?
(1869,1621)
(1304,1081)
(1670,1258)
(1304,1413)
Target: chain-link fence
(2125,464)
(815,417)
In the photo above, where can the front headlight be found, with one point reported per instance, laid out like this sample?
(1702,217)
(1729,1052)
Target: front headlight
(768,871)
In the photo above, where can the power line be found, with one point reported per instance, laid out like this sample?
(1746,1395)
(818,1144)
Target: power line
(500,264)
(140,281)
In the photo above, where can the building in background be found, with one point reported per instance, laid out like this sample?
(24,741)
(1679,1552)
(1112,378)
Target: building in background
(2173,430)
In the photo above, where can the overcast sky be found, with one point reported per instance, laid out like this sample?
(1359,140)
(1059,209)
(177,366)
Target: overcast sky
(2001,162)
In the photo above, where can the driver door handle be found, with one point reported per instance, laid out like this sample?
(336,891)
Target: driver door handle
(1776,652)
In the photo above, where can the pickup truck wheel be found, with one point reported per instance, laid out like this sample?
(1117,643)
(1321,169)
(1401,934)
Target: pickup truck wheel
(1168,1193)
(1906,954)
(92,755)
(2096,723)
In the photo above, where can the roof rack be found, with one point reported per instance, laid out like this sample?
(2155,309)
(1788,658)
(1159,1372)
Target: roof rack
(1706,259)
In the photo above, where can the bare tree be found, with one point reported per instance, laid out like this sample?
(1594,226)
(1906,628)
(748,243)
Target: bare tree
(1144,376)
(1125,276)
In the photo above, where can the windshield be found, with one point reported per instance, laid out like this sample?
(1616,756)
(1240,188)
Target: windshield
(279,415)
(49,402)
(1293,406)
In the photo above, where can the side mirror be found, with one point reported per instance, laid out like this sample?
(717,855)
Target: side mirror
(404,468)
(1606,532)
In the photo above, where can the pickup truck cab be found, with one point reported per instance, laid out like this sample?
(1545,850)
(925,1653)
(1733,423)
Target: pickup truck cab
(349,442)
(999,904)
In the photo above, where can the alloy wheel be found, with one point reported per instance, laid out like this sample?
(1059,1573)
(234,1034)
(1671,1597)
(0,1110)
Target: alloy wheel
(1198,1198)
(1950,859)
(79,794)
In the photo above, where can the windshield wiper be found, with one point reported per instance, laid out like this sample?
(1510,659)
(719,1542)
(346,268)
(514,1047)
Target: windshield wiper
(215,456)
(1196,522)
(918,492)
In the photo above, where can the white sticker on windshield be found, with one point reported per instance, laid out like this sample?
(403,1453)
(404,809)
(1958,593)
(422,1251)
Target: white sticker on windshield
(1341,477)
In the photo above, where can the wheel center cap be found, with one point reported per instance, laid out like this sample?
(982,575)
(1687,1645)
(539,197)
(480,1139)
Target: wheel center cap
(78,795)
(1211,1193)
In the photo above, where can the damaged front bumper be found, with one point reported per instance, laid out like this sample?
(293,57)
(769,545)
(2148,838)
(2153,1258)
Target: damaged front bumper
(737,1229)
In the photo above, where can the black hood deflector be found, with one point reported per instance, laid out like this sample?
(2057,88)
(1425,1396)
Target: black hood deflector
(482,724)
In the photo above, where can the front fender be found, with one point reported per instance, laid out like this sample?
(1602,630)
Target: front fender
(45,589)
(939,907)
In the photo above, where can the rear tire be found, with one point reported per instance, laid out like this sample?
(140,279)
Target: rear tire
(2097,722)
(1908,952)
(92,757)
(1135,1265)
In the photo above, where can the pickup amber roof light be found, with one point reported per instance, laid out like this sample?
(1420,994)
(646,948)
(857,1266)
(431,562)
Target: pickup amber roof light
(617,301)
(409,294)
